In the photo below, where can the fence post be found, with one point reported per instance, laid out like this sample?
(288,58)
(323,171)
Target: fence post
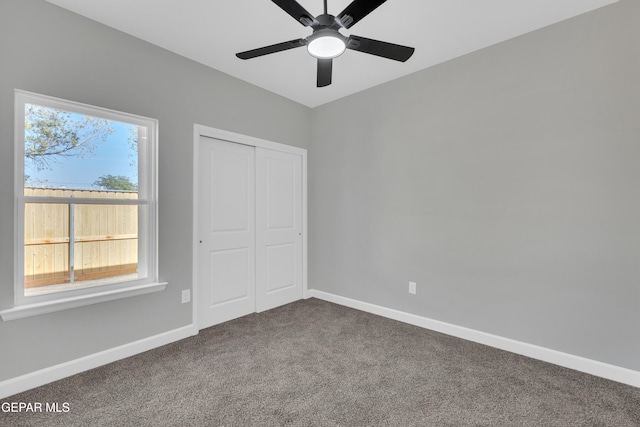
(72,240)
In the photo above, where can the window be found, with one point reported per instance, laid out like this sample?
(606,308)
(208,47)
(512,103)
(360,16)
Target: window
(86,201)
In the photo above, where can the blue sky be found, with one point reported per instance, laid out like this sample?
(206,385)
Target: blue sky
(110,157)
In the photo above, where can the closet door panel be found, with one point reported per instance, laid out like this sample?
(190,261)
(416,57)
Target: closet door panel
(278,228)
(226,228)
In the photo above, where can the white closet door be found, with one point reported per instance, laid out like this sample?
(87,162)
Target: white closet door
(226,226)
(278,228)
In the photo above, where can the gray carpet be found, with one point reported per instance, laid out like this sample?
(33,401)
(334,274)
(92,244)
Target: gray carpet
(312,363)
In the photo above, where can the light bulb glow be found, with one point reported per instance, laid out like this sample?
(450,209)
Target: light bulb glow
(326,47)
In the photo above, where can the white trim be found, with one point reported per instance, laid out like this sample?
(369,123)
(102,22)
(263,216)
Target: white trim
(28,310)
(80,108)
(73,367)
(201,130)
(305,240)
(593,367)
(194,238)
(18,194)
(85,201)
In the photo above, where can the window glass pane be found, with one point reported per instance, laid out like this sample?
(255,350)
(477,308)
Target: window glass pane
(46,245)
(106,242)
(65,150)
(98,242)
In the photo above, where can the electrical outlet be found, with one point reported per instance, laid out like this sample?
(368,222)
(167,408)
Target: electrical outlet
(186,296)
(412,288)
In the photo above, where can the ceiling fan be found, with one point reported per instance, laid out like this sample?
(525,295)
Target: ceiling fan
(326,42)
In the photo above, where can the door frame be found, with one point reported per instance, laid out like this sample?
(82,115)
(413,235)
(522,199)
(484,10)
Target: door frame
(206,131)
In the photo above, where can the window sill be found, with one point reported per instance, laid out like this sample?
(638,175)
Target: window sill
(29,310)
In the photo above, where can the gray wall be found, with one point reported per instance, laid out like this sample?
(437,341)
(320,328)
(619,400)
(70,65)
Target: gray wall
(505,183)
(48,50)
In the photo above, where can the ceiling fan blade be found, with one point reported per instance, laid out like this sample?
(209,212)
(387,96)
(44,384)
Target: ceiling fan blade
(254,53)
(357,10)
(297,12)
(325,67)
(378,48)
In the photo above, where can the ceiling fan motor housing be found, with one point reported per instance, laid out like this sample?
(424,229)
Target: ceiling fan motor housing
(327,21)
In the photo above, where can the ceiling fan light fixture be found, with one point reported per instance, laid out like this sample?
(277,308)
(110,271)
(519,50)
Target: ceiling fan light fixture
(326,44)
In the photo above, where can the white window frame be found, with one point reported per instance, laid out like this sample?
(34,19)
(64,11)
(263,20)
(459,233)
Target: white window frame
(25,306)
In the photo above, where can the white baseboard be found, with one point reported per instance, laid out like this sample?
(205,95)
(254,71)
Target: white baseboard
(593,367)
(63,370)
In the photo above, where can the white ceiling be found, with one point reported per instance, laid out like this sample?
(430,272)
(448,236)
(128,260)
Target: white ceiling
(212,31)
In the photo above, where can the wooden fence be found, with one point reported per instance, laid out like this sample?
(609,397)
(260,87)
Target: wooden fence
(105,238)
